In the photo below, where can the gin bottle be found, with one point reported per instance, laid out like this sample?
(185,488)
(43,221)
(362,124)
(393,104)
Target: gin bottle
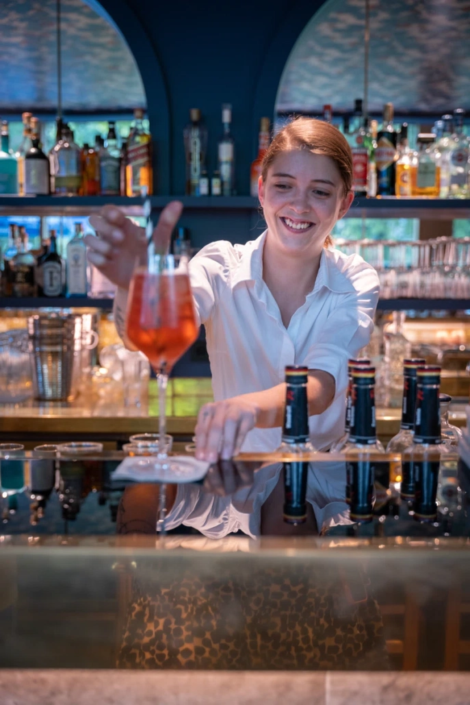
(23,149)
(404,439)
(426,167)
(65,161)
(52,275)
(363,468)
(110,164)
(8,164)
(459,159)
(295,431)
(36,170)
(425,453)
(226,154)
(22,268)
(195,147)
(76,266)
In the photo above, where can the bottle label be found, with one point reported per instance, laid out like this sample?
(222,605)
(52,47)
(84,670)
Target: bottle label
(403,181)
(426,177)
(52,278)
(195,155)
(110,171)
(76,270)
(385,154)
(426,474)
(459,157)
(36,177)
(225,152)
(203,186)
(139,154)
(360,169)
(70,183)
(216,188)
(295,493)
(360,489)
(362,414)
(408,410)
(296,429)
(8,176)
(428,418)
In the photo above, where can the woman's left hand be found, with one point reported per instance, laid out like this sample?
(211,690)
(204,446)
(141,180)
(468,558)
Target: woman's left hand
(222,427)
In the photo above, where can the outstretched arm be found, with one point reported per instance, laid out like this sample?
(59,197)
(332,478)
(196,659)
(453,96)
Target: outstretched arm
(222,426)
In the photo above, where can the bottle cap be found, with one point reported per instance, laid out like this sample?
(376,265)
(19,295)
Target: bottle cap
(404,131)
(426,137)
(138,114)
(429,372)
(195,114)
(413,363)
(388,112)
(226,112)
(359,362)
(358,105)
(294,370)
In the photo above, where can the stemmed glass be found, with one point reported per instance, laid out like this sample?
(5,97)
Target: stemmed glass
(161,321)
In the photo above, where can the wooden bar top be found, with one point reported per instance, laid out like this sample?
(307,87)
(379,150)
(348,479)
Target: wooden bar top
(104,413)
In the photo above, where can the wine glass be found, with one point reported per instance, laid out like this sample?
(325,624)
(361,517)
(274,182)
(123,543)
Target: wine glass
(161,321)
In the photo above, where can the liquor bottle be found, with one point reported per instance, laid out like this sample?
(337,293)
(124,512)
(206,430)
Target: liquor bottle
(357,118)
(8,164)
(444,145)
(195,147)
(427,448)
(295,431)
(52,269)
(372,173)
(77,264)
(295,492)
(360,156)
(386,154)
(426,168)
(90,166)
(404,439)
(38,273)
(12,248)
(36,168)
(226,154)
(203,183)
(65,159)
(352,364)
(403,166)
(139,158)
(22,267)
(216,184)
(110,164)
(459,159)
(22,150)
(327,113)
(122,171)
(361,468)
(263,144)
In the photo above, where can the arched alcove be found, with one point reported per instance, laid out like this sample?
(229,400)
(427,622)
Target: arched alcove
(419,58)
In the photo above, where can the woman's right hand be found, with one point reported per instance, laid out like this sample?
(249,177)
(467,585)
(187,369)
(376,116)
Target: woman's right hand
(118,242)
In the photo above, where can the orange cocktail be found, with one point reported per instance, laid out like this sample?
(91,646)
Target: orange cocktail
(160,319)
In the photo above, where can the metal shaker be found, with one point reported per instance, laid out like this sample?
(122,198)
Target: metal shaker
(51,347)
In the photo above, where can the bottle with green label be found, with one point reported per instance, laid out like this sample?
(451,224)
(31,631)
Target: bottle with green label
(8,164)
(425,167)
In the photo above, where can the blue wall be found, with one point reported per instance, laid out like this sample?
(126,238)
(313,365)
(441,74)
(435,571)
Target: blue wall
(202,54)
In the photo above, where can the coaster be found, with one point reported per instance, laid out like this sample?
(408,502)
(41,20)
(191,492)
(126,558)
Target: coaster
(175,469)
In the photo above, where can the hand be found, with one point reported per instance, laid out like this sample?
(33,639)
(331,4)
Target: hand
(222,427)
(119,242)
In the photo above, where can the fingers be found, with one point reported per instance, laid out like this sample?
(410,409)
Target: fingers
(106,230)
(221,430)
(95,244)
(166,224)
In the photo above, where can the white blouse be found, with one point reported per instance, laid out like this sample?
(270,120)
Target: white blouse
(248,344)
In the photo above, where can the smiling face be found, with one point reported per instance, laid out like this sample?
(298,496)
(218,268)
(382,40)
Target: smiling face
(302,198)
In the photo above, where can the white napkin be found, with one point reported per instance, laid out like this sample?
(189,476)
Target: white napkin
(175,470)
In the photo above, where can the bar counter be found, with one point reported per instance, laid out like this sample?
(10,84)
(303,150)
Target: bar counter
(105,415)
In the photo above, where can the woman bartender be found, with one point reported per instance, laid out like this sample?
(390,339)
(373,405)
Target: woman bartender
(285,298)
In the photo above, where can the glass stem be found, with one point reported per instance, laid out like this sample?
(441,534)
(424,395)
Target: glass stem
(162,381)
(161,511)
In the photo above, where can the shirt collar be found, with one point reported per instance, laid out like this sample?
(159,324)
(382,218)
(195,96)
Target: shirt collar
(250,268)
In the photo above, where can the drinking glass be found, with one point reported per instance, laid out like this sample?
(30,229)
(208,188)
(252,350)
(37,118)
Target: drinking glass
(161,321)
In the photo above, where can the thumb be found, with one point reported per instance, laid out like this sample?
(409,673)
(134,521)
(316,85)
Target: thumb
(165,226)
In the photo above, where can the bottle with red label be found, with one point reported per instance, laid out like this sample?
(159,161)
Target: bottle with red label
(139,158)
(360,155)
(386,154)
